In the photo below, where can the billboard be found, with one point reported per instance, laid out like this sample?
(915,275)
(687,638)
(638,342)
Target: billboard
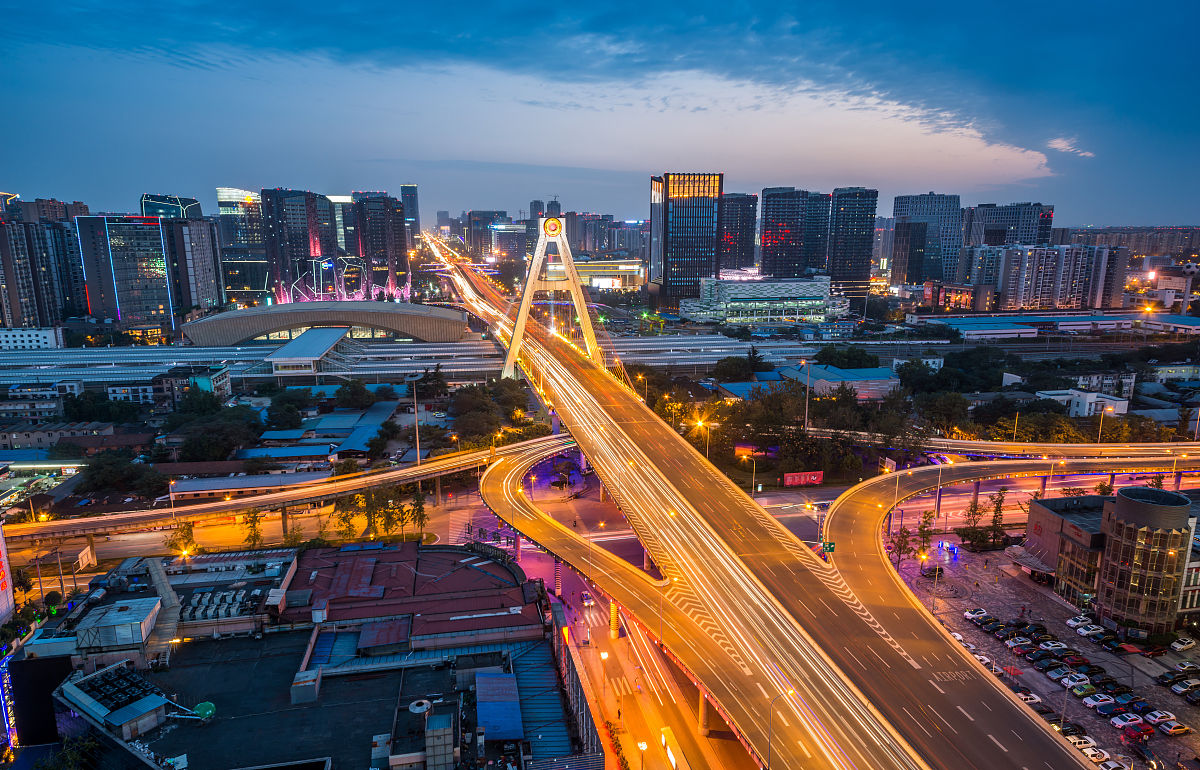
(803,479)
(7,604)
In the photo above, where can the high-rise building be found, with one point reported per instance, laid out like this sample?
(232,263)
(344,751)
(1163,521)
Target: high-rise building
(301,245)
(478,236)
(41,278)
(816,231)
(881,252)
(382,228)
(412,215)
(553,208)
(851,240)
(194,263)
(1049,277)
(739,218)
(10,203)
(508,241)
(537,209)
(1027,224)
(126,268)
(685,230)
(784,219)
(170,207)
(910,256)
(245,274)
(944,235)
(50,209)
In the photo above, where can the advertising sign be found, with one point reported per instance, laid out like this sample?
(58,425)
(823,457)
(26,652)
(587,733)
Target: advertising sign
(803,479)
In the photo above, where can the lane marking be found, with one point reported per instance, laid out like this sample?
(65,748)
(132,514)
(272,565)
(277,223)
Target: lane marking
(917,721)
(939,716)
(939,689)
(965,714)
(998,743)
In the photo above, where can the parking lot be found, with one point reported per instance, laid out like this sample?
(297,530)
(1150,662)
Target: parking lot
(990,582)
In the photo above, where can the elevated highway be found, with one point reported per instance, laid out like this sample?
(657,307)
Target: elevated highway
(1028,449)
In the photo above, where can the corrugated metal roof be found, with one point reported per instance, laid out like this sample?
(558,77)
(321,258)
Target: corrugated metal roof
(498,706)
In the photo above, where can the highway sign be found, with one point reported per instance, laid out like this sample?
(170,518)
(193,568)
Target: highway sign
(827,547)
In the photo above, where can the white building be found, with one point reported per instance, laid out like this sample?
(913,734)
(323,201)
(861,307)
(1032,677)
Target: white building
(20,338)
(1085,403)
(137,394)
(792,301)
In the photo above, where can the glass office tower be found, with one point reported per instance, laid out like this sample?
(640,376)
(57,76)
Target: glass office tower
(685,229)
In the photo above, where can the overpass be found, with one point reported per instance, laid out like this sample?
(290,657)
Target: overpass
(1018,449)
(333,488)
(788,627)
(424,322)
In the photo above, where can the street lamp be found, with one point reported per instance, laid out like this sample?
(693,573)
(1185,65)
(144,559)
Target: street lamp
(642,746)
(532,483)
(603,678)
(171,495)
(807,389)
(645,388)
(937,500)
(753,472)
(457,443)
(1101,431)
(707,431)
(771,722)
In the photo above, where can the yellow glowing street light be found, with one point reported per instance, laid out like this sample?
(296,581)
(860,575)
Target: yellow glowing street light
(771,721)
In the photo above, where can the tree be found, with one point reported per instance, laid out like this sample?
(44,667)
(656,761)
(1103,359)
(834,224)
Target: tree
(182,538)
(116,472)
(385,392)
(284,416)
(419,517)
(52,599)
(997,501)
(925,532)
(394,515)
(344,510)
(733,369)
(353,394)
(96,407)
(344,467)
(252,522)
(294,535)
(432,384)
(757,362)
(901,542)
(21,580)
(198,402)
(475,425)
(1073,492)
(1104,488)
(973,514)
(1156,482)
(945,411)
(848,357)
(1187,421)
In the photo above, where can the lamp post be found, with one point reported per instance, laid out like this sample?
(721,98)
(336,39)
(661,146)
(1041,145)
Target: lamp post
(603,678)
(532,483)
(645,388)
(171,495)
(642,746)
(707,431)
(937,500)
(771,722)
(1100,432)
(457,443)
(807,389)
(753,472)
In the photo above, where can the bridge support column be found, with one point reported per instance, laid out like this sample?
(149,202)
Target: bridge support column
(283,521)
(1178,480)
(437,491)
(1112,481)
(937,505)
(614,620)
(583,463)
(601,491)
(91,541)
(975,494)
(558,577)
(516,546)
(1045,481)
(647,562)
(702,715)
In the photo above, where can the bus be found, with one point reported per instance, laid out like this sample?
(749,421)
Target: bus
(671,748)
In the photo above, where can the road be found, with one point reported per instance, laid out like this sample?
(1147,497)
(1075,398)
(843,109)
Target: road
(995,449)
(336,486)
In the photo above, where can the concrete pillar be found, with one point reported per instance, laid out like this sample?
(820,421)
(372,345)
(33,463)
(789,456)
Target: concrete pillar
(1045,480)
(91,541)
(1178,480)
(647,562)
(1112,481)
(702,715)
(975,493)
(601,491)
(283,520)
(583,463)
(517,546)
(937,504)
(437,491)
(558,577)
(614,620)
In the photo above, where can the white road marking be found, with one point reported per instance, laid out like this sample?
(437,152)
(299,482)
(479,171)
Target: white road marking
(968,716)
(918,722)
(998,743)
(939,689)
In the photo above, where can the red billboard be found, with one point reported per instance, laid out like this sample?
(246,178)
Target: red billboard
(803,479)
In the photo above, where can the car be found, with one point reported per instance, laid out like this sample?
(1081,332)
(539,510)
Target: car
(1141,707)
(439,415)
(1112,764)
(1041,709)
(978,612)
(1078,620)
(985,660)
(1112,709)
(1052,646)
(968,647)
(587,599)
(1099,699)
(1007,632)
(1183,643)
(1154,717)
(1045,664)
(1126,698)
(1039,638)
(1018,688)
(1033,629)
(1016,641)
(1058,673)
(1023,649)
(983,620)
(1173,728)
(1102,681)
(1091,669)
(932,572)
(1089,629)
(1071,729)
(1095,755)
(1075,660)
(1187,665)
(1193,698)
(1081,741)
(1154,652)
(1038,655)
(1139,733)
(995,669)
(993,626)
(1104,638)
(956,636)
(1029,697)
(1083,690)
(1073,680)
(1186,686)
(1121,721)
(1168,678)
(1115,688)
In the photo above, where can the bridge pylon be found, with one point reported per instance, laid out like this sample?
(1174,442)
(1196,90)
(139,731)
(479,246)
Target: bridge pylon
(551,230)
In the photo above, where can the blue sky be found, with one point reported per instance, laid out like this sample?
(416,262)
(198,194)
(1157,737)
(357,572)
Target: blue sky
(1090,106)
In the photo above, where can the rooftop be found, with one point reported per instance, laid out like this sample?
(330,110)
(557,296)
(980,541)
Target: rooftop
(256,481)
(312,344)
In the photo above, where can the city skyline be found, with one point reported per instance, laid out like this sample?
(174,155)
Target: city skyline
(819,102)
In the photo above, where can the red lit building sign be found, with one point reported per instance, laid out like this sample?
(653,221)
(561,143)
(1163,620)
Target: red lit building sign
(803,479)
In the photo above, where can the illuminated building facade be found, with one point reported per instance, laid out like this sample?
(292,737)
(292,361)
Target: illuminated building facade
(942,216)
(910,260)
(412,215)
(170,207)
(41,278)
(381,227)
(126,270)
(194,263)
(301,245)
(851,241)
(245,275)
(685,230)
(1016,223)
(739,217)
(784,213)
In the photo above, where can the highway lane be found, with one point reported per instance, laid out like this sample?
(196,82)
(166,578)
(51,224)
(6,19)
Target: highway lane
(771,574)
(1017,449)
(336,486)
(949,680)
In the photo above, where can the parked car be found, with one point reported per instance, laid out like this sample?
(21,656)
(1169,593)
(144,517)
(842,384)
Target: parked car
(1154,652)
(1083,690)
(1041,709)
(1187,665)
(1183,643)
(1016,641)
(983,620)
(1173,728)
(1089,629)
(1115,688)
(1029,697)
(1112,709)
(1168,678)
(1104,638)
(1081,741)
(1121,721)
(1052,646)
(1141,707)
(1154,717)
(1045,664)
(1071,729)
(1058,673)
(1037,655)
(978,612)
(1112,764)
(932,572)
(1193,698)
(1127,698)
(1186,686)
(1099,699)
(1075,680)
(985,660)
(1095,755)
(1023,649)
(1091,669)
(1078,620)
(1075,660)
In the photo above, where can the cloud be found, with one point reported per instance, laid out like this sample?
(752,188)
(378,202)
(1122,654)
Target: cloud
(1068,145)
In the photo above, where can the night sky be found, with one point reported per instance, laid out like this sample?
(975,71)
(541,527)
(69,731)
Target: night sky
(1089,106)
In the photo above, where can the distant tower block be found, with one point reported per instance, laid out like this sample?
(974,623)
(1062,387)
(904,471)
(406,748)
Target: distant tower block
(551,230)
